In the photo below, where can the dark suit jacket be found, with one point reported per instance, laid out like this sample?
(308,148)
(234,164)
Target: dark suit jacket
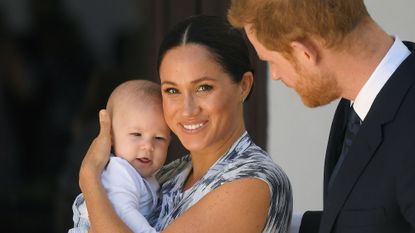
(374,190)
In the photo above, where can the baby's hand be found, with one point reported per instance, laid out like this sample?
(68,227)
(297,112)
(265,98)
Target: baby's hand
(98,153)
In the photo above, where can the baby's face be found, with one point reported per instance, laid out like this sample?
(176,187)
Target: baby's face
(141,136)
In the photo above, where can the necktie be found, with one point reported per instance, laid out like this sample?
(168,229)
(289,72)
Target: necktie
(353,126)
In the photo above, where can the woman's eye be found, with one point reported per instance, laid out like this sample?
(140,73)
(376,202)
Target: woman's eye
(171,90)
(136,134)
(204,88)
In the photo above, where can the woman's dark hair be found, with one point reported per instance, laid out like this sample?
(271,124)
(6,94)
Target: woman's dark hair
(226,43)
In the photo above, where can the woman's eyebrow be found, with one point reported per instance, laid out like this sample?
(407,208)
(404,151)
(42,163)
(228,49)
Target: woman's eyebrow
(168,83)
(202,79)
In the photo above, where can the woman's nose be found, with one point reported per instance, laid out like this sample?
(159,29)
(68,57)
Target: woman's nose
(190,106)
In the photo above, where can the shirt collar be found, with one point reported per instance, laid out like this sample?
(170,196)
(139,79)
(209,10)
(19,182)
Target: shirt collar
(393,58)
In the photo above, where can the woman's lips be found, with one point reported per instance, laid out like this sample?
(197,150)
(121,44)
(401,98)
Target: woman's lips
(193,127)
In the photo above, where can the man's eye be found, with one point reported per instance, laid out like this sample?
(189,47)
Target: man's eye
(171,90)
(204,88)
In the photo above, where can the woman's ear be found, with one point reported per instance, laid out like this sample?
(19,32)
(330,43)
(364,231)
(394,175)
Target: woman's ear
(305,51)
(246,84)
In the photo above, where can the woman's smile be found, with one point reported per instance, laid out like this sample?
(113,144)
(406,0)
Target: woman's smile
(200,100)
(193,127)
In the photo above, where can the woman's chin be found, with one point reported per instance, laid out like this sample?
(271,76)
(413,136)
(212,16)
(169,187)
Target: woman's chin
(192,145)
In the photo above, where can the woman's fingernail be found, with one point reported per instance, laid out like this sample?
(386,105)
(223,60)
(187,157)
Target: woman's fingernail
(101,114)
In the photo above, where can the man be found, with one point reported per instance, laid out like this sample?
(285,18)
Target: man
(329,49)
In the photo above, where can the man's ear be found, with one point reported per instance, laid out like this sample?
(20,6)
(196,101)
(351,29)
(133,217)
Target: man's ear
(305,51)
(246,84)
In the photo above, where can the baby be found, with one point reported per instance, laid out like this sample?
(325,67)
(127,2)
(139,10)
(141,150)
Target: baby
(140,139)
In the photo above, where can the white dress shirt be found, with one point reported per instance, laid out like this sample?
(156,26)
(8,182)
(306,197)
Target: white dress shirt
(395,56)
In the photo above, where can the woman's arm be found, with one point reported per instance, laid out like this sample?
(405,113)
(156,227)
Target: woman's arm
(101,213)
(239,206)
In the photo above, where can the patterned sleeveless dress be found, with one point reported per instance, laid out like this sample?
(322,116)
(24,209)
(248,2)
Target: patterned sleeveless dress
(243,160)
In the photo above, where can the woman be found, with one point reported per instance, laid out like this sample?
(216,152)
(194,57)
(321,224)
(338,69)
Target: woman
(226,183)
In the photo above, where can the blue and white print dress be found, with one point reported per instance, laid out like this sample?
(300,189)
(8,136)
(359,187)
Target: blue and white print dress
(243,160)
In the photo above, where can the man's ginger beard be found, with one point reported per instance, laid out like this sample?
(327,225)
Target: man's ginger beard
(315,89)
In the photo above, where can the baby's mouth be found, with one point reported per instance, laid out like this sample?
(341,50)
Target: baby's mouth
(144,160)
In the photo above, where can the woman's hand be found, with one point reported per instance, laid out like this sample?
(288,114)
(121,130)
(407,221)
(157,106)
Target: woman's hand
(101,213)
(98,153)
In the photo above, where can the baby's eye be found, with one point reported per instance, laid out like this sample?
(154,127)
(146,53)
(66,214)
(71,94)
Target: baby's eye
(204,87)
(136,134)
(171,90)
(159,138)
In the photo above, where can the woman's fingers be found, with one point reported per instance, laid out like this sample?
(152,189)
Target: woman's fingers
(99,151)
(101,146)
(102,143)
(105,126)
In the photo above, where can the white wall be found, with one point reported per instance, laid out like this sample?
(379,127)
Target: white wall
(297,136)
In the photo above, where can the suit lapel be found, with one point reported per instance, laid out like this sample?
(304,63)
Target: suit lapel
(360,153)
(367,141)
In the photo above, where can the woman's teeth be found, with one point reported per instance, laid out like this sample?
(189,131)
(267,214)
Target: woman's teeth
(193,127)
